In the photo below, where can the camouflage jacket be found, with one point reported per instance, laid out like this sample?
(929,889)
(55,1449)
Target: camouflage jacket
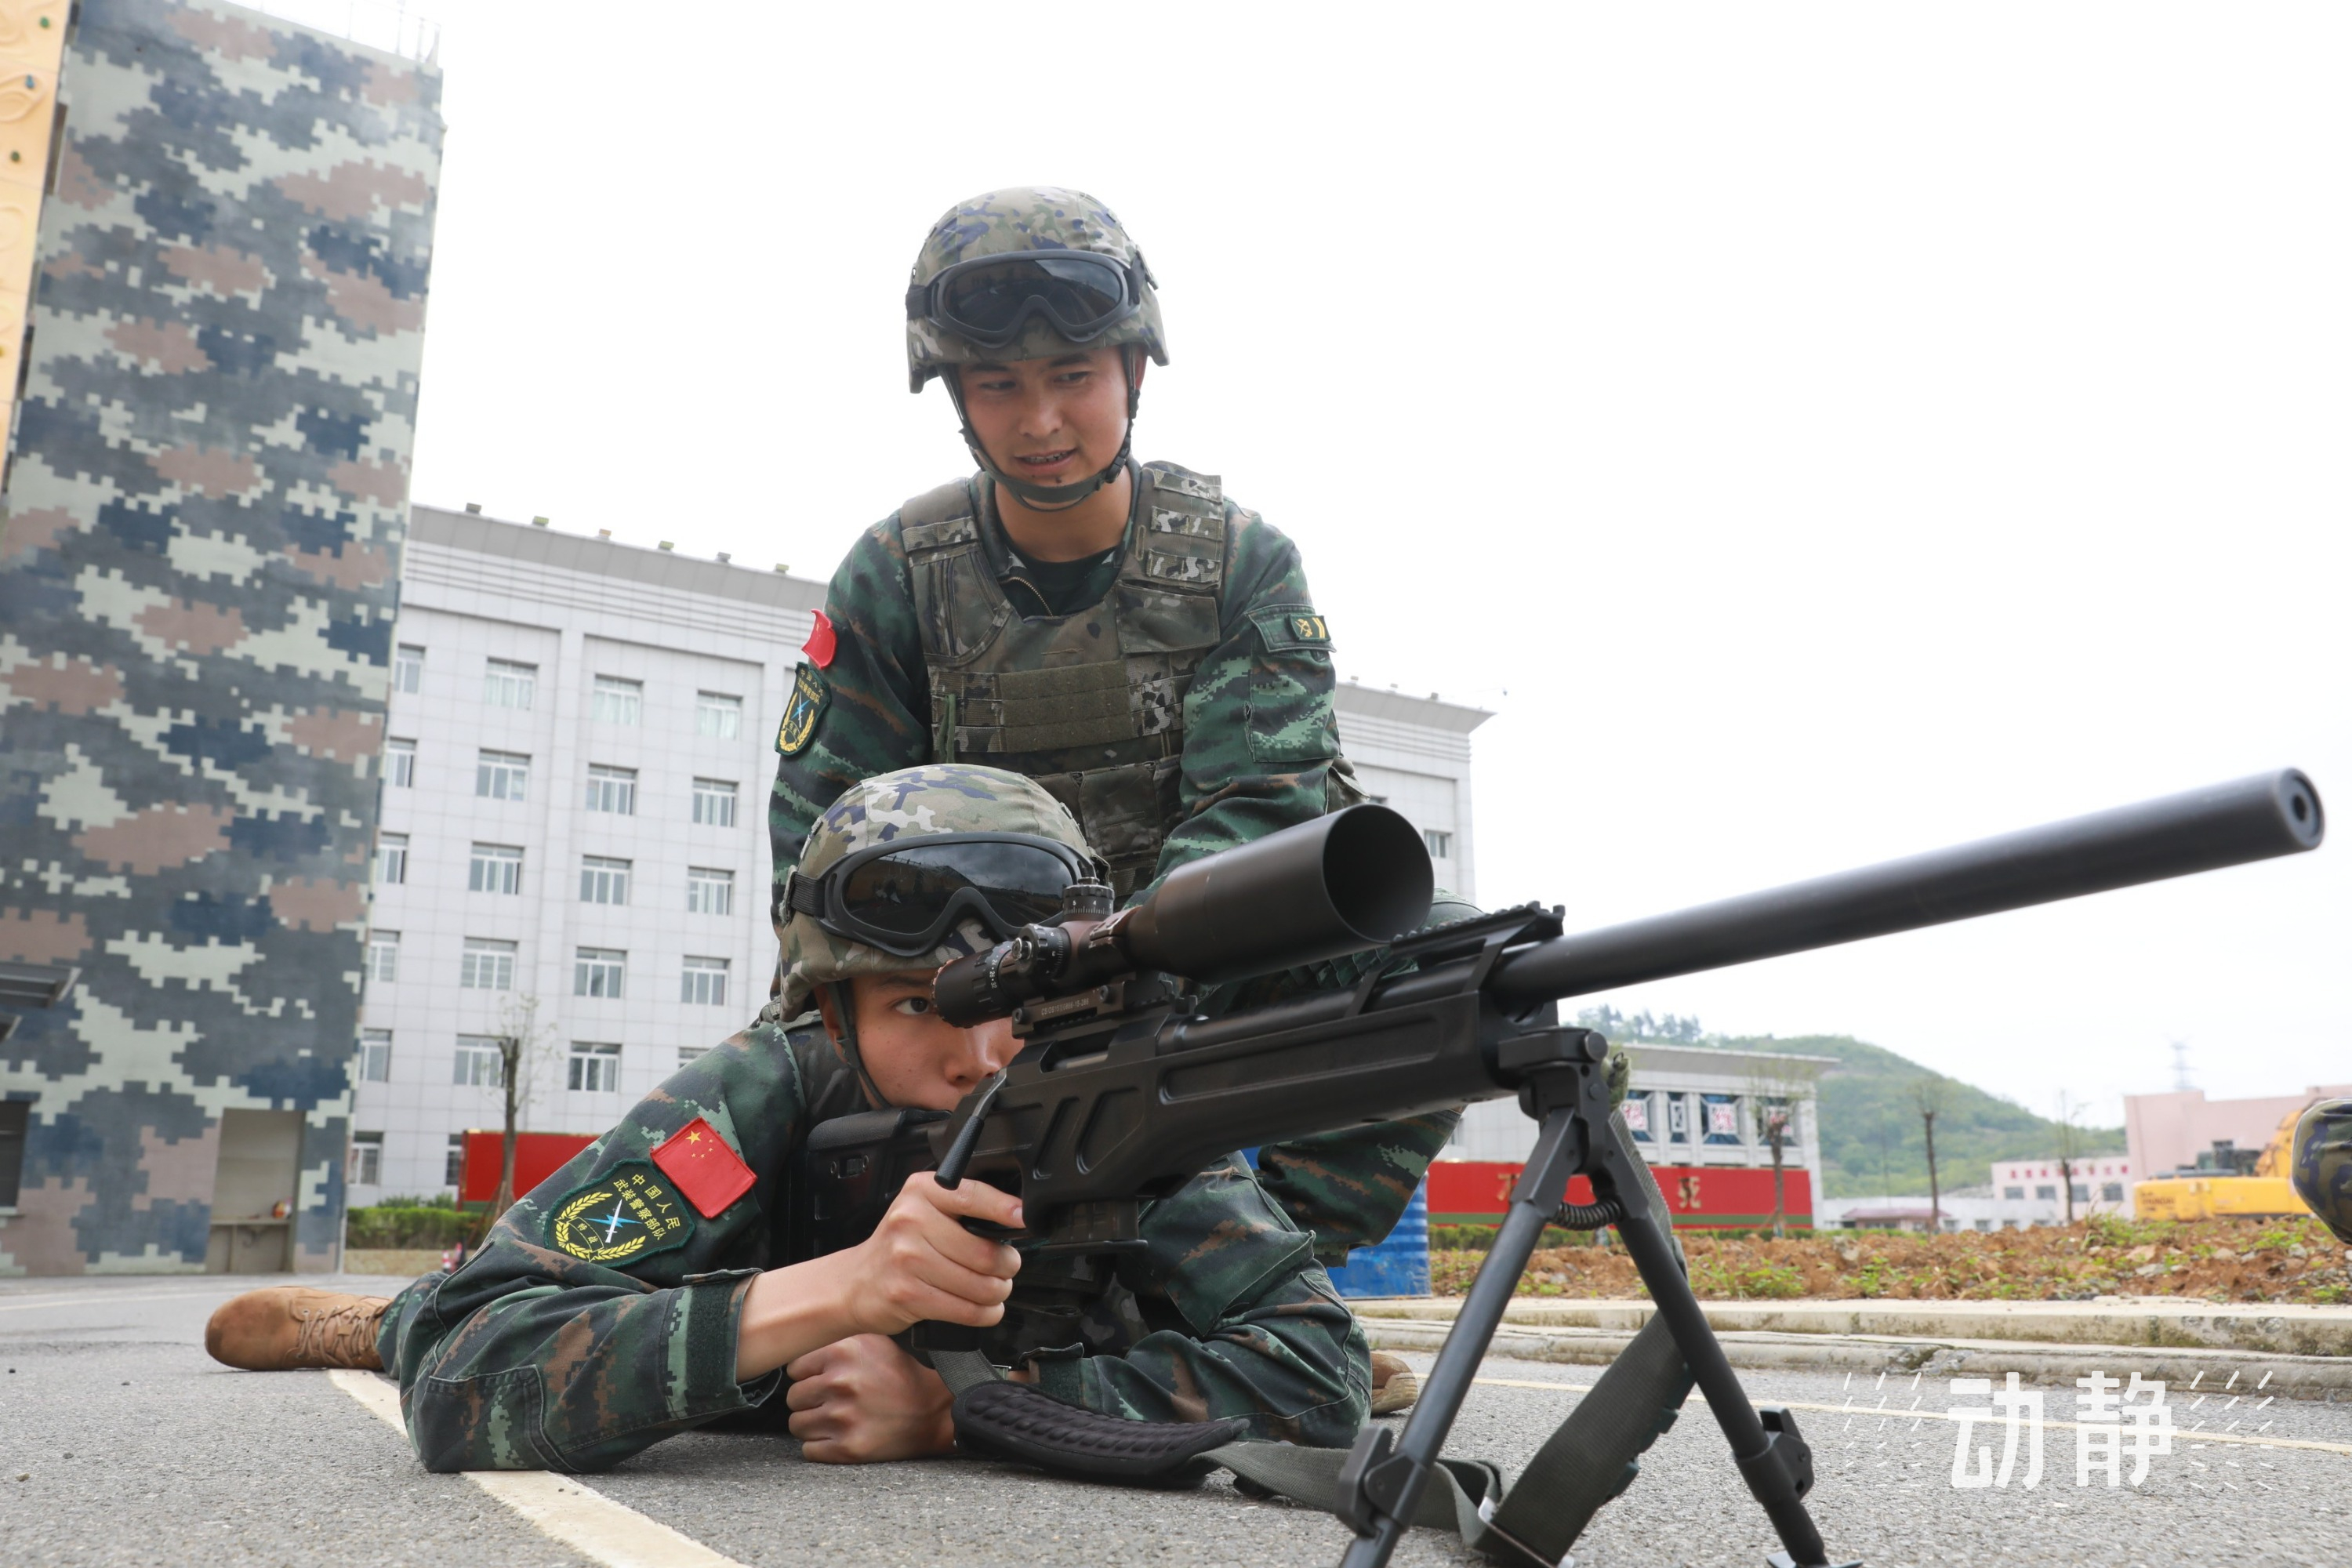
(601,1315)
(1233,667)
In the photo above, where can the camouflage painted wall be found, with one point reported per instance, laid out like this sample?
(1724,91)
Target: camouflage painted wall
(198,576)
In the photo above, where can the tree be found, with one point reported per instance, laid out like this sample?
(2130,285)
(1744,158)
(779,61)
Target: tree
(522,1042)
(1775,1088)
(2070,1142)
(1927,1094)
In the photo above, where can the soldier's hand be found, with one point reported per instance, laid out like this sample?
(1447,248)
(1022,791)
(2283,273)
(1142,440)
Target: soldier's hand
(921,1265)
(861,1400)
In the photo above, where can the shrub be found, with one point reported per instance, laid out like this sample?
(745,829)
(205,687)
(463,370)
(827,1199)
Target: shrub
(407,1224)
(1481,1238)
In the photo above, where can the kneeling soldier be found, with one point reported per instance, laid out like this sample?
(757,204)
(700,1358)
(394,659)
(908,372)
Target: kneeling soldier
(649,1286)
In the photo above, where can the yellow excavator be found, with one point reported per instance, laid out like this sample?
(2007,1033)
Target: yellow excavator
(2228,1183)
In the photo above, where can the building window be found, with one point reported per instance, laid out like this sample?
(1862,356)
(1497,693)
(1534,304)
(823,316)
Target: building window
(1984,1225)
(376,1055)
(1441,845)
(705,981)
(604,881)
(400,764)
(1678,1118)
(1637,1118)
(2112,1192)
(615,700)
(598,972)
(714,802)
(717,716)
(2012,1195)
(477,1064)
(710,892)
(407,668)
(502,775)
(613,790)
(495,869)
(1722,1113)
(595,1069)
(2045,1194)
(383,956)
(366,1167)
(507,685)
(689,1053)
(488,966)
(16,1119)
(391,859)
(453,1165)
(2082,1191)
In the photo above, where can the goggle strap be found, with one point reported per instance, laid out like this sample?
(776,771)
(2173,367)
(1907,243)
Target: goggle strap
(804,895)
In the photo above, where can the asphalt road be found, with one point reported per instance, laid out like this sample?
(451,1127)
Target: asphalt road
(134,1447)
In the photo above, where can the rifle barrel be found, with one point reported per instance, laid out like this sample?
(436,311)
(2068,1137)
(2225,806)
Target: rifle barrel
(2201,830)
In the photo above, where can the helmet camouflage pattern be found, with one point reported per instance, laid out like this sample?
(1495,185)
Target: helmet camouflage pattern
(912,803)
(2322,1165)
(1006,222)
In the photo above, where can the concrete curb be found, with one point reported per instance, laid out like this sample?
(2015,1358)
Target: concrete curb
(2301,1376)
(2173,1324)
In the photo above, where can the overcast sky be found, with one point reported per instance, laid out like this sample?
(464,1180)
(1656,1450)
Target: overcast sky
(1818,433)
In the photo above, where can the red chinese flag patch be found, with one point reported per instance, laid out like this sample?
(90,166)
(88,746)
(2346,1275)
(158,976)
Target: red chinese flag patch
(706,1171)
(821,643)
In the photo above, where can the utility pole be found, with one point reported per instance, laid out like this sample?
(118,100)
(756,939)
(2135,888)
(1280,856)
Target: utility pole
(2180,1067)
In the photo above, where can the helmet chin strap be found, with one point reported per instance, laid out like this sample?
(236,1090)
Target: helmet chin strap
(844,1007)
(1055,498)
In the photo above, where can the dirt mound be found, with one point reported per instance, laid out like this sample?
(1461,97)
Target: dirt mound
(2216,1260)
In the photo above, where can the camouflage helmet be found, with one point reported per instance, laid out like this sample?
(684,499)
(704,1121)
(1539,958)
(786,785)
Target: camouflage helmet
(2322,1165)
(1007,222)
(912,803)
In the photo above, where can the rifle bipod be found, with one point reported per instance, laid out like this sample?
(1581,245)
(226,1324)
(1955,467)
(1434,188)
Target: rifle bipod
(1565,1089)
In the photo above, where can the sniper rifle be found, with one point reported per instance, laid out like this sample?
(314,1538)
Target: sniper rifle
(1123,1090)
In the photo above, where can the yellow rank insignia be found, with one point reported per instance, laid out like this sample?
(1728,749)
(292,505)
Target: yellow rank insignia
(1309,628)
(633,1211)
(805,707)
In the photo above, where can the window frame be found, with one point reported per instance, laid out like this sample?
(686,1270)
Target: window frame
(477,1050)
(702,981)
(505,859)
(503,679)
(364,1143)
(490,949)
(391,855)
(1439,842)
(374,1056)
(603,1060)
(502,776)
(601,873)
(718,716)
(399,762)
(407,673)
(591,966)
(709,789)
(701,883)
(623,690)
(604,779)
(377,969)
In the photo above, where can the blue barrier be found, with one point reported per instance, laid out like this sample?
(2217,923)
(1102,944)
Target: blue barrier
(1398,1266)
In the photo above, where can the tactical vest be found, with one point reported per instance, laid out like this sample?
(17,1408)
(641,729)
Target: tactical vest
(1090,704)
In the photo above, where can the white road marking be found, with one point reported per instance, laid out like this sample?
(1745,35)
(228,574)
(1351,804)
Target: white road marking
(104,1299)
(2343,1448)
(560,1507)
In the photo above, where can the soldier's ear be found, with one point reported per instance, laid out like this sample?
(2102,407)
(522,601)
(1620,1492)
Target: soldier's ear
(828,1011)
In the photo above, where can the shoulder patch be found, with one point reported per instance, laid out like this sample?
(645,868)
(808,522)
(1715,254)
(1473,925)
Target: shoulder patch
(632,1211)
(802,709)
(1285,628)
(704,1166)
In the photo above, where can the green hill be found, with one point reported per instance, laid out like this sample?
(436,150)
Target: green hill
(1871,1138)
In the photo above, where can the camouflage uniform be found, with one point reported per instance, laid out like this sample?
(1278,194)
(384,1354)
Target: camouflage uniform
(2322,1165)
(1188,709)
(562,1346)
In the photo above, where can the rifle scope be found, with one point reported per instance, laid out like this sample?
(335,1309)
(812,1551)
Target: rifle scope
(1339,884)
(2203,830)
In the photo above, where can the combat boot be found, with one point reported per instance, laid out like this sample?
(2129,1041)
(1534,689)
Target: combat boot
(1395,1386)
(288,1326)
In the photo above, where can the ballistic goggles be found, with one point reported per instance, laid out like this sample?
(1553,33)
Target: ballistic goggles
(906,898)
(988,300)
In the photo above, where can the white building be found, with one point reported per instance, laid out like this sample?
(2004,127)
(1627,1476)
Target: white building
(2033,1192)
(577,765)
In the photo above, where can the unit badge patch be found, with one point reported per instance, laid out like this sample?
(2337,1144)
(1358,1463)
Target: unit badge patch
(633,1211)
(802,710)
